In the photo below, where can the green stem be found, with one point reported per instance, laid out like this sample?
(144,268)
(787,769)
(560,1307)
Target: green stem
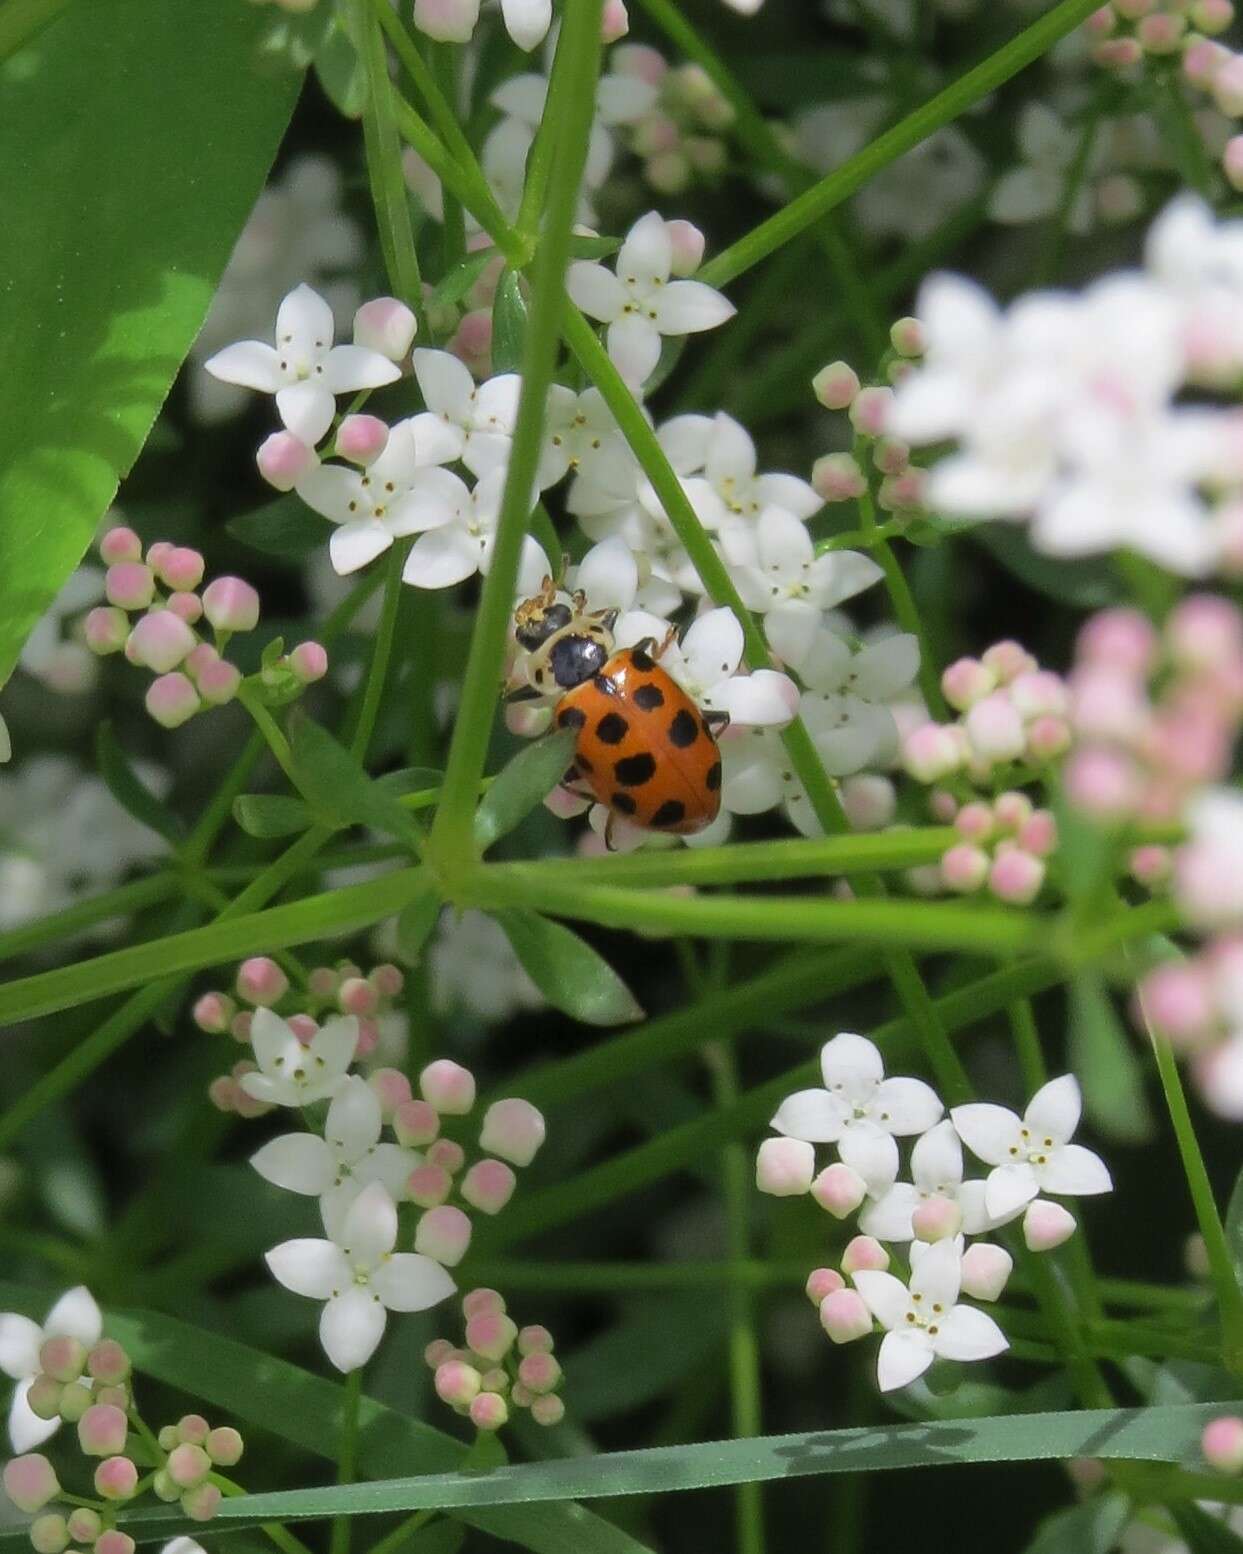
(215,817)
(276,1532)
(1050,262)
(346,1454)
(381,653)
(445,63)
(578,59)
(392,1541)
(250,698)
(112,903)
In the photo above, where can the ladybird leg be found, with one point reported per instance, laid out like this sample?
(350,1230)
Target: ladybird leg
(645,645)
(609,844)
(525,693)
(671,636)
(717,720)
(578,602)
(606,618)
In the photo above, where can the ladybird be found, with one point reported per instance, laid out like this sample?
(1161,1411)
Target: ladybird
(642,747)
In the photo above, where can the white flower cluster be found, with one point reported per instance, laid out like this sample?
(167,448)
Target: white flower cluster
(863,1114)
(1070,410)
(75,1315)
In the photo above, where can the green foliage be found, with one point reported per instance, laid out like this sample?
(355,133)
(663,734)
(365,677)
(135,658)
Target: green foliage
(286,528)
(1090,1528)
(335,782)
(130,791)
(270,814)
(569,973)
(522,784)
(509,324)
(1104,1057)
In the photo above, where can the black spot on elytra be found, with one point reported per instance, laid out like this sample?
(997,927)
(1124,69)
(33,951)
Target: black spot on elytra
(571,717)
(683,731)
(611,728)
(634,770)
(642,660)
(671,813)
(584,764)
(624,804)
(649,697)
(713,779)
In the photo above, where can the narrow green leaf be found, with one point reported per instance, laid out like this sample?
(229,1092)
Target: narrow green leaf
(340,74)
(1234,1228)
(286,528)
(1105,1059)
(20,20)
(93,332)
(525,782)
(1090,1528)
(130,791)
(270,814)
(569,973)
(459,280)
(509,324)
(1204,1533)
(410,779)
(415,924)
(675,1335)
(594,247)
(335,781)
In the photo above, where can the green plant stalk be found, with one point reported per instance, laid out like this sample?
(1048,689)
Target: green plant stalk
(940,110)
(218,812)
(382,653)
(384,174)
(276,1532)
(85,914)
(394,1540)
(578,60)
(453,224)
(274,736)
(1050,260)
(347,1452)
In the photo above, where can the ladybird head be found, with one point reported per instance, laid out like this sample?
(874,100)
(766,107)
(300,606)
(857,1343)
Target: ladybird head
(535,622)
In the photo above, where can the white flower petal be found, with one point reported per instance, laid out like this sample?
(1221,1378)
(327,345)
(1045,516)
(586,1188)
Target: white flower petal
(250,364)
(304,322)
(595,290)
(814,1115)
(871,1153)
(390,1165)
(968,1334)
(1074,1171)
(307,410)
(937,1275)
(634,348)
(436,440)
(903,1358)
(791,629)
(20,1342)
(852,1064)
(351,1326)
(310,1266)
(348,368)
(333,491)
(608,575)
(686,440)
(353,1124)
(353,545)
(333,1045)
(297,1162)
(646,257)
(884,1296)
(712,647)
(1055,1109)
(906,1106)
(988,1131)
(886,667)
(527,21)
(765,699)
(1008,1188)
(889,1218)
(408,1281)
(445,382)
(840,575)
(75,1315)
(687,307)
(370,1229)
(936,1159)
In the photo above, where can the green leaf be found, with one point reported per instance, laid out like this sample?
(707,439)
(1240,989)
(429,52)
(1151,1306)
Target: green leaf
(594,247)
(340,72)
(286,528)
(1204,1533)
(93,329)
(1234,1227)
(675,1334)
(410,779)
(20,20)
(130,791)
(1090,1528)
(415,924)
(1105,1059)
(334,780)
(569,973)
(527,781)
(509,324)
(271,814)
(459,280)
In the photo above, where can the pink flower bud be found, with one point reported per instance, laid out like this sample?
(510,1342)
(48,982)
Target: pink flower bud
(129,585)
(1201,61)
(1046,1225)
(415,1123)
(539,1373)
(308,662)
(489,1411)
(891,456)
(84,1525)
(362,438)
(108,1363)
(836,386)
(1150,866)
(102,1430)
(492,1335)
(521,1398)
(357,996)
(1222,1444)
(218,682)
(905,492)
(30,1482)
(49,1534)
(943,806)
(844,1317)
(1038,834)
(1162,33)
(159,641)
(614,22)
(448,1155)
(188,1464)
(864,1252)
(444,1234)
(784,1167)
(260,981)
(839,1190)
(116,1478)
(192,1429)
(936,1219)
(1016,877)
(181,568)
(687,243)
(231,604)
(995,729)
(964,868)
(120,544)
(931,752)
(223,1093)
(513,1129)
(186,607)
(391,1088)
(1118,53)
(172,700)
(837,477)
(640,61)
(156,553)
(547,1410)
(63,1358)
(448,1087)
(669,173)
(975,822)
(535,1340)
(284,459)
(482,1302)
(224,1446)
(1012,810)
(456,1383)
(870,411)
(1228,86)
(1212,16)
(1123,638)
(1008,660)
(201,1503)
(1101,23)
(386,325)
(437,1352)
(907,337)
(822,1282)
(1047,738)
(1102,783)
(429,1185)
(1232,162)
(106,629)
(114,1541)
(1039,692)
(488,1186)
(985,1270)
(1203,631)
(239,1025)
(387,979)
(1178,999)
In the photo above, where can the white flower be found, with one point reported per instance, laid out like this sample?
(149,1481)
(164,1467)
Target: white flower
(1198,261)
(75,1315)
(580,434)
(859,1110)
(293,1074)
(936,1171)
(1208,868)
(1037,186)
(359,1277)
(924,1321)
(1031,1154)
(349,1155)
(65,665)
(527,21)
(464,420)
(640,303)
(907,199)
(304,370)
(613,576)
(844,705)
(461,527)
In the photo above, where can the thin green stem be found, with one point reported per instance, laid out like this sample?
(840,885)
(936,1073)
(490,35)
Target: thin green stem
(347,1452)
(1027,1045)
(216,816)
(276,1532)
(381,653)
(1051,259)
(392,1541)
(251,698)
(85,914)
(445,59)
(578,60)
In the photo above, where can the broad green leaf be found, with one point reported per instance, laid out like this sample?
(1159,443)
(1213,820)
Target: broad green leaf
(1107,1063)
(20,20)
(1090,1528)
(108,266)
(527,780)
(340,72)
(509,324)
(569,973)
(270,814)
(130,791)
(335,781)
(1204,1533)
(286,528)
(415,924)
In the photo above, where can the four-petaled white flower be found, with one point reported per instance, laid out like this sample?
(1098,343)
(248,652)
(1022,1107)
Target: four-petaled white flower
(844,705)
(347,1158)
(471,422)
(1033,1153)
(936,1172)
(359,1277)
(461,533)
(304,370)
(292,1073)
(859,1110)
(923,1321)
(580,434)
(640,303)
(75,1315)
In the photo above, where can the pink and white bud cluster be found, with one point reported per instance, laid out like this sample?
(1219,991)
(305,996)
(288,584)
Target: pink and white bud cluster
(680,139)
(842,477)
(1197,1005)
(227,1094)
(194,1451)
(1002,849)
(1154,715)
(498,1367)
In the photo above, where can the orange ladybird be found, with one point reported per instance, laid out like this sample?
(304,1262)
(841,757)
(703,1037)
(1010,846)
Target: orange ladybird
(642,747)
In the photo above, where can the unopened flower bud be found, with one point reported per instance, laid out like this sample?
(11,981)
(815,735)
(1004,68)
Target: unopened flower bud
(1222,1444)
(985,1270)
(49,1534)
(482,1302)
(936,1219)
(1046,1225)
(386,325)
(1016,877)
(159,641)
(187,1465)
(488,1186)
(62,1358)
(192,1429)
(429,1185)
(837,477)
(84,1524)
(283,459)
(1162,33)
(931,752)
(444,1234)
(1038,834)
(129,585)
(172,700)
(415,1123)
(891,455)
(456,1383)
(547,1410)
(539,1372)
(261,981)
(102,1430)
(116,1478)
(687,243)
(391,1088)
(1178,1000)
(822,1282)
(844,1317)
(231,604)
(1047,738)
(218,682)
(1232,162)
(614,23)
(492,1336)
(839,1190)
(114,1541)
(120,544)
(513,1129)
(964,868)
(1212,16)
(906,336)
(437,1352)
(305,1028)
(224,1446)
(870,411)
(1122,638)
(182,568)
(995,729)
(308,662)
(239,1025)
(43,1396)
(106,629)
(163,1488)
(864,1252)
(75,1399)
(1012,810)
(784,1167)
(1102,783)
(201,1503)
(30,1482)
(836,385)
(488,1411)
(448,1155)
(535,1340)
(1118,53)
(448,1087)
(119,1397)
(357,996)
